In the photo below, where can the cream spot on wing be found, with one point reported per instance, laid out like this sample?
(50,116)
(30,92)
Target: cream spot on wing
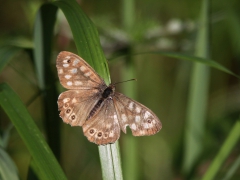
(74,100)
(65,65)
(147,125)
(67,76)
(146,114)
(138,109)
(66,100)
(69,83)
(125,125)
(78,83)
(108,125)
(141,132)
(65,61)
(60,71)
(115,117)
(137,119)
(74,70)
(82,68)
(87,74)
(124,117)
(130,106)
(111,134)
(67,57)
(134,127)
(75,62)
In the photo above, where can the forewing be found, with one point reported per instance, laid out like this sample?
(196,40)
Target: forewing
(75,73)
(75,105)
(139,118)
(103,127)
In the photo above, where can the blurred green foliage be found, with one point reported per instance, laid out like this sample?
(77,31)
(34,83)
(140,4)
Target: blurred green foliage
(127,28)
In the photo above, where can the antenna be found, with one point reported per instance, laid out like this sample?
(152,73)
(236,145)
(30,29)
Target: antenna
(125,81)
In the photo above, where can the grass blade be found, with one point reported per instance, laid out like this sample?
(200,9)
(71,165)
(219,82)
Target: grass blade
(232,169)
(225,150)
(197,59)
(88,46)
(6,53)
(85,36)
(130,155)
(8,169)
(197,102)
(43,32)
(48,167)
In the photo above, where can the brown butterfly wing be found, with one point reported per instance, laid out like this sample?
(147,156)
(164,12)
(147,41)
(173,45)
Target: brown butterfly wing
(139,118)
(75,73)
(75,105)
(117,111)
(103,127)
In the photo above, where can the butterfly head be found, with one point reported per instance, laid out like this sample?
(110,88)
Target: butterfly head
(108,91)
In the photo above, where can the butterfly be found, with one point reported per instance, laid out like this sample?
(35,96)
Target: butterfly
(98,108)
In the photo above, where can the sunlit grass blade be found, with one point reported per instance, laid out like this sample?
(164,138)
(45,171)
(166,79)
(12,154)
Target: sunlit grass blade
(88,45)
(47,165)
(230,142)
(85,37)
(6,53)
(8,169)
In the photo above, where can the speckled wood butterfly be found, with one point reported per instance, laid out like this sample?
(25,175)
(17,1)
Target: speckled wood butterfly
(96,107)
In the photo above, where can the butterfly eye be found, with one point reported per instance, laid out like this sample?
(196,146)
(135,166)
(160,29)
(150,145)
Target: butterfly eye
(99,134)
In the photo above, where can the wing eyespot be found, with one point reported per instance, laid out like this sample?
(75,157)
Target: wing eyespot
(149,121)
(91,131)
(100,134)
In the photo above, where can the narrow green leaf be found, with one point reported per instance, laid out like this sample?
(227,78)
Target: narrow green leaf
(88,46)
(204,61)
(116,161)
(130,146)
(196,59)
(230,142)
(234,167)
(30,134)
(106,161)
(85,36)
(43,33)
(198,96)
(8,169)
(6,53)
